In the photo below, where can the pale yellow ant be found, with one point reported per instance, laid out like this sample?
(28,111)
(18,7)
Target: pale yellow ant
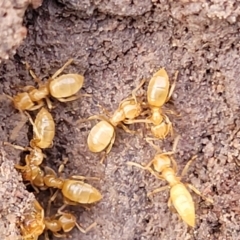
(31,171)
(35,223)
(63,222)
(43,129)
(63,88)
(43,134)
(180,197)
(102,135)
(158,93)
(74,190)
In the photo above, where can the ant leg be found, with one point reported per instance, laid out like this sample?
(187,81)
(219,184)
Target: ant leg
(170,129)
(107,151)
(172,112)
(7,96)
(104,110)
(72,203)
(52,198)
(104,155)
(35,188)
(62,68)
(126,129)
(72,98)
(147,167)
(98,117)
(49,103)
(36,106)
(170,206)
(173,86)
(36,79)
(136,165)
(136,89)
(66,203)
(69,202)
(131,121)
(84,178)
(60,235)
(187,166)
(49,171)
(150,141)
(20,167)
(146,112)
(199,193)
(158,190)
(17,146)
(46,236)
(174,163)
(86,229)
(111,143)
(28,88)
(147,120)
(175,143)
(34,126)
(61,167)
(60,210)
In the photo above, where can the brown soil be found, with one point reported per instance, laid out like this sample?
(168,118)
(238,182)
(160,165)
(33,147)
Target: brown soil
(12,31)
(115,44)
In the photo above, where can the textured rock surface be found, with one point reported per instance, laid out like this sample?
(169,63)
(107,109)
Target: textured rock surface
(14,198)
(12,31)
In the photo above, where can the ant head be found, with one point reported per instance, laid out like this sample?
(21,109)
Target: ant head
(130,108)
(22,101)
(35,157)
(161,162)
(67,221)
(27,174)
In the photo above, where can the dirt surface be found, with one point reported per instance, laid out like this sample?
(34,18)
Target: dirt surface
(115,44)
(11,17)
(14,198)
(11,20)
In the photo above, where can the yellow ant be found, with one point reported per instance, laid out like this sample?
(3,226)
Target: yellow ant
(102,135)
(74,190)
(64,222)
(31,171)
(43,129)
(43,134)
(179,195)
(35,223)
(63,88)
(158,93)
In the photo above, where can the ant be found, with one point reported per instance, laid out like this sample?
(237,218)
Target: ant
(179,194)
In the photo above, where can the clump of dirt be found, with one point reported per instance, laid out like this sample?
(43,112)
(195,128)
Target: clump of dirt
(11,25)
(115,7)
(11,17)
(115,44)
(14,198)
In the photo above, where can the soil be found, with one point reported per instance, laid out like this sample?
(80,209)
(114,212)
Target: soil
(115,44)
